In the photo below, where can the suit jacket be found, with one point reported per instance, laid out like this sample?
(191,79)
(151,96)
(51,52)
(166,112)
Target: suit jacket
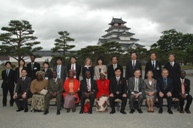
(129,69)
(120,87)
(174,72)
(17,73)
(8,81)
(186,84)
(78,70)
(48,73)
(152,87)
(62,73)
(23,86)
(97,73)
(83,86)
(32,73)
(156,70)
(55,86)
(160,85)
(111,71)
(131,85)
(91,69)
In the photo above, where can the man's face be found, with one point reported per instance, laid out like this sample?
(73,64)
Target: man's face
(46,65)
(32,58)
(73,60)
(133,56)
(182,74)
(118,72)
(153,56)
(137,74)
(59,62)
(23,73)
(114,60)
(171,58)
(165,74)
(87,74)
(8,66)
(54,74)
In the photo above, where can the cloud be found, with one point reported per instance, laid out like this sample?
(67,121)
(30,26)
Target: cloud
(87,20)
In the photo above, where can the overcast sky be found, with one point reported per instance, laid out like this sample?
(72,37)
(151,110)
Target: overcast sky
(87,20)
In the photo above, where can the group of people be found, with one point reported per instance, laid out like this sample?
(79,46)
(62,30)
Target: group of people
(99,83)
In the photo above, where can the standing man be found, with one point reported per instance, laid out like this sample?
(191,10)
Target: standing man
(88,88)
(118,89)
(32,68)
(22,91)
(136,89)
(55,89)
(75,67)
(165,89)
(8,77)
(132,65)
(184,92)
(60,69)
(113,66)
(174,70)
(154,66)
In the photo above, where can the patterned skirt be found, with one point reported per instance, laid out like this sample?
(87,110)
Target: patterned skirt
(69,101)
(38,102)
(101,104)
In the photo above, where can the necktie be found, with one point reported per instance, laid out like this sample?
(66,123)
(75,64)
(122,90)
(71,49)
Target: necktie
(88,85)
(23,78)
(32,66)
(165,84)
(133,64)
(153,64)
(183,87)
(7,72)
(136,86)
(117,81)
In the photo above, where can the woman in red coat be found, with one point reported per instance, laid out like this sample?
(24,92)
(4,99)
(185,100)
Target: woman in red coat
(103,93)
(71,88)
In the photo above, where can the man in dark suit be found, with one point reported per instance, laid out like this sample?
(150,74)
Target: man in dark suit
(55,89)
(74,66)
(174,70)
(132,65)
(183,90)
(60,69)
(118,89)
(32,68)
(8,77)
(47,70)
(136,89)
(112,67)
(154,66)
(165,89)
(88,88)
(22,91)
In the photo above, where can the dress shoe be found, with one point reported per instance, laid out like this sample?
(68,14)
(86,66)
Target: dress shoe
(139,110)
(58,112)
(112,112)
(181,111)
(90,112)
(123,112)
(160,110)
(170,111)
(187,111)
(26,110)
(81,111)
(132,111)
(68,110)
(46,112)
(19,110)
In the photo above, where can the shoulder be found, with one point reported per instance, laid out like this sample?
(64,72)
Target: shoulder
(186,79)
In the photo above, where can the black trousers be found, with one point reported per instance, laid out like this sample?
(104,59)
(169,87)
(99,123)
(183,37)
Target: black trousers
(21,104)
(91,98)
(169,101)
(5,92)
(189,101)
(119,96)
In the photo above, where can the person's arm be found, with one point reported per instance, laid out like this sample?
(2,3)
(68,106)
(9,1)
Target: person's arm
(146,70)
(111,86)
(158,86)
(38,67)
(28,85)
(142,87)
(17,88)
(125,89)
(127,72)
(140,68)
(32,88)
(96,72)
(155,86)
(61,89)
(187,90)
(145,87)
(108,72)
(95,90)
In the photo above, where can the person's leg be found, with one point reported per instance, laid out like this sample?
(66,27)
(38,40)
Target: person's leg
(92,98)
(181,102)
(47,101)
(25,104)
(123,103)
(58,101)
(140,101)
(11,91)
(169,102)
(132,99)
(18,102)
(148,103)
(151,104)
(5,91)
(189,101)
(112,103)
(83,98)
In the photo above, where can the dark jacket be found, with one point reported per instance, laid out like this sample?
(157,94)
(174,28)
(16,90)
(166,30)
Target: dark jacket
(8,81)
(121,87)
(111,71)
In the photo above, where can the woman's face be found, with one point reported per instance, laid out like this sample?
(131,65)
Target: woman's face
(88,62)
(39,77)
(149,75)
(71,75)
(21,63)
(100,62)
(46,66)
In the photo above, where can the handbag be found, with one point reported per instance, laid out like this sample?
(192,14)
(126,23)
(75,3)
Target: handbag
(43,91)
(86,107)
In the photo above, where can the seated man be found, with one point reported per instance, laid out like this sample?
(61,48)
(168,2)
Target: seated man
(88,89)
(118,89)
(165,89)
(183,91)
(22,91)
(136,89)
(55,89)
